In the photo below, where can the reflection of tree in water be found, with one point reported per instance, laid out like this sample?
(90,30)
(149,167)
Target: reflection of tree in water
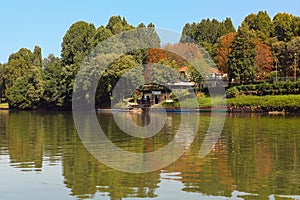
(141,119)
(257,154)
(86,175)
(25,137)
(3,127)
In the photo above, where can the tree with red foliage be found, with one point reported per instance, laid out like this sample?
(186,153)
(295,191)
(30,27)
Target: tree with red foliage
(263,59)
(223,50)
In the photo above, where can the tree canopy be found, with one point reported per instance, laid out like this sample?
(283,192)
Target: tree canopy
(260,45)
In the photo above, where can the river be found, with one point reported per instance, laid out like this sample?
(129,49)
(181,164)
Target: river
(42,156)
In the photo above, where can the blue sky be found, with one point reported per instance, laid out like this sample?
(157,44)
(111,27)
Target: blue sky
(44,23)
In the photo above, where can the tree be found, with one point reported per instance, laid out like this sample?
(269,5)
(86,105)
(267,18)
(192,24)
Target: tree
(241,63)
(287,57)
(223,50)
(249,21)
(263,59)
(228,26)
(296,26)
(17,66)
(27,91)
(77,43)
(263,23)
(294,53)
(95,73)
(53,97)
(37,56)
(282,58)
(2,83)
(101,34)
(259,22)
(283,26)
(116,25)
(207,31)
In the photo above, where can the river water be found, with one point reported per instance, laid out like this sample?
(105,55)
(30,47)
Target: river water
(257,156)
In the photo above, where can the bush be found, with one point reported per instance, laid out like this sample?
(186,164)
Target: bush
(232,92)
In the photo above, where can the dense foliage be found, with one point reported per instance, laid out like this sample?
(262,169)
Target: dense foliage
(262,48)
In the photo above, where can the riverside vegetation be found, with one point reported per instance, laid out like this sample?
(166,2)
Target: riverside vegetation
(261,49)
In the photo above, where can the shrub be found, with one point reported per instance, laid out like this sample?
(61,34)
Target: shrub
(232,92)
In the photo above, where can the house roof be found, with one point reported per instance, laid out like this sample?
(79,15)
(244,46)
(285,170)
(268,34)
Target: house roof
(214,70)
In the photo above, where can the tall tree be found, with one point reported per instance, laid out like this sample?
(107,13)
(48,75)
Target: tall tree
(294,53)
(223,50)
(37,54)
(263,23)
(17,65)
(27,91)
(53,97)
(263,59)
(116,24)
(282,59)
(259,22)
(283,26)
(228,26)
(2,83)
(287,57)
(296,26)
(101,34)
(77,43)
(241,64)
(207,31)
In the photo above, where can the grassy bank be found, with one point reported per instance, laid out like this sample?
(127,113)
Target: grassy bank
(289,103)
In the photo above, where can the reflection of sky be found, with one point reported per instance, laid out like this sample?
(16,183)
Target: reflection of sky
(31,185)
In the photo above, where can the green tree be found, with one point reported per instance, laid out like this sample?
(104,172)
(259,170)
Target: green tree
(207,31)
(293,48)
(116,24)
(17,65)
(249,21)
(296,26)
(53,97)
(263,23)
(282,59)
(2,83)
(241,63)
(283,26)
(101,34)
(77,43)
(27,91)
(228,26)
(113,73)
(37,56)
(259,22)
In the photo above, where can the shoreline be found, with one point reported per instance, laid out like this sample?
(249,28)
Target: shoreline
(227,109)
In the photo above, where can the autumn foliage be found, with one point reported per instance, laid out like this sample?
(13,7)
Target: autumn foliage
(264,60)
(223,51)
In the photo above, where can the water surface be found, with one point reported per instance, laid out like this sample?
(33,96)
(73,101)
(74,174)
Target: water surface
(256,157)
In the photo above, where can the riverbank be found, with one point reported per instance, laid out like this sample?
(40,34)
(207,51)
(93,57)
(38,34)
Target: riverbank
(242,104)
(4,106)
(269,103)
